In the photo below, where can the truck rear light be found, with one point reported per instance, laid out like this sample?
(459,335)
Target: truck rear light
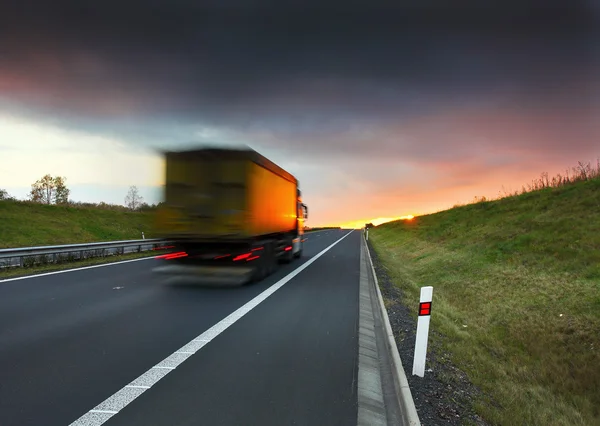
(242,257)
(177,255)
(172,255)
(288,248)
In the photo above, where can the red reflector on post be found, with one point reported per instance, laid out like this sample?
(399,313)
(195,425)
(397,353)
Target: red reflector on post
(424,308)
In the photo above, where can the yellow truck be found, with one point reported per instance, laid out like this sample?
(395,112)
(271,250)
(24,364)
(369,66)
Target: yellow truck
(232,215)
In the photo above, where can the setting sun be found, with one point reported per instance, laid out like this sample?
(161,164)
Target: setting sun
(359,224)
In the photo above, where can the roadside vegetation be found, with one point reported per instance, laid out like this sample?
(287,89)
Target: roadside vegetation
(321,228)
(26,223)
(516,300)
(49,217)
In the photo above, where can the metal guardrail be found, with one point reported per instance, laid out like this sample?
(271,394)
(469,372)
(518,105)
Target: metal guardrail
(29,256)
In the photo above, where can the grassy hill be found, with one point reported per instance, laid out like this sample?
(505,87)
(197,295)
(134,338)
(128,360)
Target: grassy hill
(516,298)
(31,224)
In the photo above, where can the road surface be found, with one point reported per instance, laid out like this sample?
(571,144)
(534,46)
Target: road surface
(114,345)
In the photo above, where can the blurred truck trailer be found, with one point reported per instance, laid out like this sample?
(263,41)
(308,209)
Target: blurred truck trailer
(232,215)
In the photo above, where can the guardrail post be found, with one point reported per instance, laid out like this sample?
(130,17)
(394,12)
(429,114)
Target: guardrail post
(422,331)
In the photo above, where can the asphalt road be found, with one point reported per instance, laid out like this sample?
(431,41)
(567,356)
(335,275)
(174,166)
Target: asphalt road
(69,341)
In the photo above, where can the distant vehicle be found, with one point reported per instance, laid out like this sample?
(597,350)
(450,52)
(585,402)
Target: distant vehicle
(232,215)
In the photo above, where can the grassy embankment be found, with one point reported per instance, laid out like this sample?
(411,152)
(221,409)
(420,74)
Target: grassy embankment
(516,298)
(25,224)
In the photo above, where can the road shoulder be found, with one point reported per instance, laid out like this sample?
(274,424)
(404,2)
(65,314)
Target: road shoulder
(383,394)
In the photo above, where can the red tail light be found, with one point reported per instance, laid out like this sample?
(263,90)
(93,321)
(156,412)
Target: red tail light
(288,248)
(242,257)
(172,255)
(252,258)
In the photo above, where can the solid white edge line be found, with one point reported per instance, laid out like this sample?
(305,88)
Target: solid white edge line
(207,336)
(83,268)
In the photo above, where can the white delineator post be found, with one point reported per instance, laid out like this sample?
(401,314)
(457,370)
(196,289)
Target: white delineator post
(367,234)
(422,331)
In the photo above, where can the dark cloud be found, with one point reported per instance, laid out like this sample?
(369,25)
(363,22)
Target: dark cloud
(424,81)
(282,60)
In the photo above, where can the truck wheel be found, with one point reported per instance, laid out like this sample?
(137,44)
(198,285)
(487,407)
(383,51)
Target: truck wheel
(271,259)
(298,255)
(266,265)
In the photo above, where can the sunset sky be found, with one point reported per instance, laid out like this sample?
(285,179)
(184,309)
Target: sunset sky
(380,111)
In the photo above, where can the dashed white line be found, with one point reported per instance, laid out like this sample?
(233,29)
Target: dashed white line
(113,404)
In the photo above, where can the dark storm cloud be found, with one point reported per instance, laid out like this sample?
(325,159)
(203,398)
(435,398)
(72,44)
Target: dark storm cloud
(290,71)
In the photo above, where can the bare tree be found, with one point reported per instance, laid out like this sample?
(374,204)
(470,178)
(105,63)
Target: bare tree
(133,200)
(4,195)
(48,190)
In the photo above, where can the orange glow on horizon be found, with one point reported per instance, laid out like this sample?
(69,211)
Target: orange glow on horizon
(359,224)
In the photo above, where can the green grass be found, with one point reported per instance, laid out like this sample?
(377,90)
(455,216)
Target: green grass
(516,298)
(25,224)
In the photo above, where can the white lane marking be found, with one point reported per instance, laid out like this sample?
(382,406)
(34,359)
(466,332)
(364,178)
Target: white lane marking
(130,392)
(83,268)
(104,411)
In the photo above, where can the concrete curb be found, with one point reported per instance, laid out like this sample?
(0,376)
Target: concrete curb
(405,398)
